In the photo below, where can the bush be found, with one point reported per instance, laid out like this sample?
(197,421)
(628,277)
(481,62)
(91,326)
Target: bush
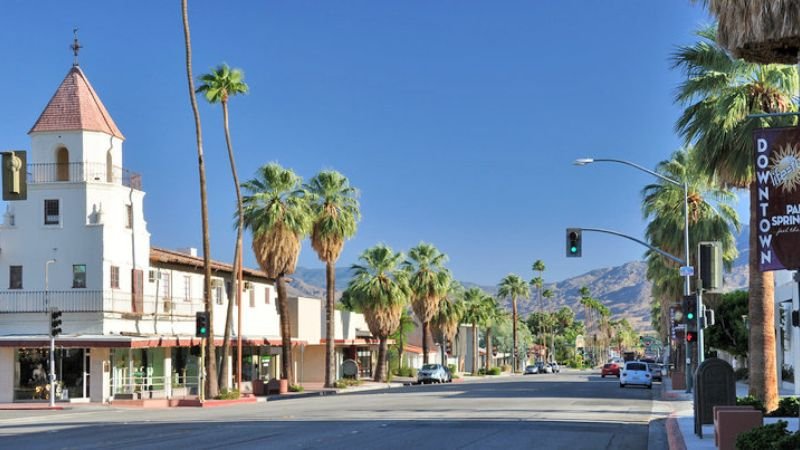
(764,437)
(452,368)
(740,373)
(295,388)
(787,407)
(405,372)
(481,371)
(494,371)
(504,368)
(347,382)
(751,401)
(228,394)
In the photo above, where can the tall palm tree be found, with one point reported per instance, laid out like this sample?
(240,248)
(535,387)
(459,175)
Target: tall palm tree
(212,382)
(380,290)
(493,315)
(447,319)
(400,336)
(277,212)
(718,94)
(336,214)
(547,296)
(538,284)
(217,87)
(514,287)
(429,281)
(475,314)
(587,302)
(712,217)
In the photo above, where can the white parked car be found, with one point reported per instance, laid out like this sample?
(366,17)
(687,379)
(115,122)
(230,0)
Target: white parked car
(635,372)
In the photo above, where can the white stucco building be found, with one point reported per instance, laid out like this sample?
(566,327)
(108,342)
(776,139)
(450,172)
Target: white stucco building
(79,244)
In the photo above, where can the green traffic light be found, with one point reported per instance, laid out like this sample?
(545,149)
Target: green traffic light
(690,316)
(573,249)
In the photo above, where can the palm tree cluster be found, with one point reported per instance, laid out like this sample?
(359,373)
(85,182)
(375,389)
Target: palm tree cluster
(719,95)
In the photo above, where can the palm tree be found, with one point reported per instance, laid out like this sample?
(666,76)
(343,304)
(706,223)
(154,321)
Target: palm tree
(212,382)
(513,286)
(718,94)
(429,281)
(547,295)
(493,316)
(336,214)
(446,320)
(400,336)
(711,218)
(277,212)
(475,314)
(588,304)
(379,288)
(218,86)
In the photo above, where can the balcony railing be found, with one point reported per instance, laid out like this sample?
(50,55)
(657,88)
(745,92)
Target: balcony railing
(83,171)
(107,301)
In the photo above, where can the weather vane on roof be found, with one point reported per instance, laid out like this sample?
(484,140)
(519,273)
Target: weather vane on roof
(76,46)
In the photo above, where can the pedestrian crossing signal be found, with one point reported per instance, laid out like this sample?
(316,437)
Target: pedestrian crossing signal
(691,336)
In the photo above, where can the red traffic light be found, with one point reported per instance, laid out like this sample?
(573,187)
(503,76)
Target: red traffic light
(691,336)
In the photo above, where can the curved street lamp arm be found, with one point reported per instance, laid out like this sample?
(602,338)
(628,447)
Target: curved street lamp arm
(638,241)
(643,169)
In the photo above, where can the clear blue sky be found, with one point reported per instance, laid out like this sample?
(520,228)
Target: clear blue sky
(458,121)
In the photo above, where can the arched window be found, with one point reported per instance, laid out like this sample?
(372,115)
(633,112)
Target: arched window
(62,164)
(109,167)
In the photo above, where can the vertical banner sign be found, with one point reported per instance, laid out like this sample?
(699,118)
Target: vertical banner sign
(778,178)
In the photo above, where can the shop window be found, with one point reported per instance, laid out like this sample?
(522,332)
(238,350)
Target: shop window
(15,277)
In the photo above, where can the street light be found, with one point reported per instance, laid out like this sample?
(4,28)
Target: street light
(687,287)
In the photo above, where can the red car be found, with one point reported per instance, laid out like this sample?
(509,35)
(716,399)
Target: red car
(610,369)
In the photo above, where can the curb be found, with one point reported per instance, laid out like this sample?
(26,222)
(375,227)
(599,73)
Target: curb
(674,435)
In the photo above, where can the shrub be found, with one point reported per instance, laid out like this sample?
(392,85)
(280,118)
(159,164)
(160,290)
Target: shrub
(347,382)
(504,368)
(494,371)
(787,407)
(452,368)
(481,371)
(751,401)
(295,388)
(762,438)
(405,372)
(228,394)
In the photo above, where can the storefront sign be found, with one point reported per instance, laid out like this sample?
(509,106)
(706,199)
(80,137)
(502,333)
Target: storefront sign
(777,169)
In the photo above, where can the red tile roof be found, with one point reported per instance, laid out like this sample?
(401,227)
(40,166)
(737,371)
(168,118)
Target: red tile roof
(76,106)
(164,256)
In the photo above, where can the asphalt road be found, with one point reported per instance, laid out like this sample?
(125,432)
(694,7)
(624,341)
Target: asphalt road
(568,410)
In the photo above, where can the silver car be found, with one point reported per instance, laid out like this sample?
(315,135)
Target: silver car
(432,373)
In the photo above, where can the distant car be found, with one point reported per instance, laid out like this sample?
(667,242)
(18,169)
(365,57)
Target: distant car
(544,368)
(636,372)
(656,371)
(531,370)
(432,373)
(610,369)
(555,367)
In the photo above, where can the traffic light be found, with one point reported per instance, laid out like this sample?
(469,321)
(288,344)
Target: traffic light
(573,242)
(710,262)
(690,312)
(691,337)
(55,322)
(201,324)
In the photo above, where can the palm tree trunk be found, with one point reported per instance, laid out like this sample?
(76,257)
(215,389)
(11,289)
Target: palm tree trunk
(474,348)
(489,352)
(380,371)
(330,323)
(761,310)
(425,348)
(514,326)
(237,266)
(400,356)
(287,369)
(212,386)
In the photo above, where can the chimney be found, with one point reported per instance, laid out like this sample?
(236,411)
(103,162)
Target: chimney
(191,251)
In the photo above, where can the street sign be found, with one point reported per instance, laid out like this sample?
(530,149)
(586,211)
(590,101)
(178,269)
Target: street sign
(687,271)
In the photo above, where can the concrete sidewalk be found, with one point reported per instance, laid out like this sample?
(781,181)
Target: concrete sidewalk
(680,425)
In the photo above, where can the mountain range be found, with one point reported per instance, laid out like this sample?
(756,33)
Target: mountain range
(624,289)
